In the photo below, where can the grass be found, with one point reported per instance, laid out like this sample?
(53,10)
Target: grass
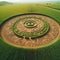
(8,52)
(54,6)
(11,10)
(43,9)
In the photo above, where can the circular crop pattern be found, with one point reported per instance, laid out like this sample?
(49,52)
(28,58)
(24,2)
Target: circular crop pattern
(29,23)
(30,31)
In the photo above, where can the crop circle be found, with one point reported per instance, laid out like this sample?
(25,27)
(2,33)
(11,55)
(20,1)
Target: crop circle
(29,23)
(30,31)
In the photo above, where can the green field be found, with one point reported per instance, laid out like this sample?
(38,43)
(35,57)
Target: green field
(8,52)
(54,6)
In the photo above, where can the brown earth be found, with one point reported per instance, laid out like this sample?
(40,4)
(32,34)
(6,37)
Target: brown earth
(10,38)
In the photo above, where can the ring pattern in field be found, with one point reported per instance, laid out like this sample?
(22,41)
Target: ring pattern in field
(40,31)
(29,27)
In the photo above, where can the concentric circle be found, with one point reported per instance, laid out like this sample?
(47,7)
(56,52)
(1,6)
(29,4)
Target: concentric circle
(30,23)
(30,31)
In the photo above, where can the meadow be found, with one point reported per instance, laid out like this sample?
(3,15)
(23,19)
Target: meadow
(8,52)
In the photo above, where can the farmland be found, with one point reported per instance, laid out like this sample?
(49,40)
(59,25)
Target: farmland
(8,52)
